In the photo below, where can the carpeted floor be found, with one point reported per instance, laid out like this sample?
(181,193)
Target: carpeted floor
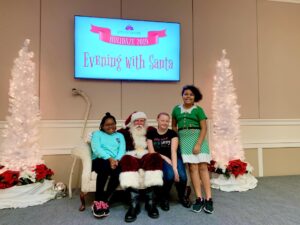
(275,201)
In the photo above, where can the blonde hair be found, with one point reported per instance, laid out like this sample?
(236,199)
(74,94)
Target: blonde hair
(163,113)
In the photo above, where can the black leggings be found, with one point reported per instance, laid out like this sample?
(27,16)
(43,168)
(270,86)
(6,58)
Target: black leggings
(103,169)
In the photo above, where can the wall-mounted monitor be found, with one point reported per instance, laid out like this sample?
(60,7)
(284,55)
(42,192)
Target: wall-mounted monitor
(122,49)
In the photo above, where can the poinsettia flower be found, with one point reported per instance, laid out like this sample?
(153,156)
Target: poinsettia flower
(43,172)
(233,167)
(28,175)
(211,167)
(10,178)
(222,166)
(237,167)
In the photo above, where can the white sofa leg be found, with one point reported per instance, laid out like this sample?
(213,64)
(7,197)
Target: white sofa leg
(71,176)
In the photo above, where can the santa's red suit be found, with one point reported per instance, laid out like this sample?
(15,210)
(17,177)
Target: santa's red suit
(140,169)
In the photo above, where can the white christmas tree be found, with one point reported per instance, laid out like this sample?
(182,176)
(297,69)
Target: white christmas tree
(226,126)
(20,149)
(227,151)
(20,158)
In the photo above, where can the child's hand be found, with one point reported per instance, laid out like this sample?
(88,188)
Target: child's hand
(196,149)
(176,175)
(113,163)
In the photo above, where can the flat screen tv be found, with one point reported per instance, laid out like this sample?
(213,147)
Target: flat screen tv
(122,49)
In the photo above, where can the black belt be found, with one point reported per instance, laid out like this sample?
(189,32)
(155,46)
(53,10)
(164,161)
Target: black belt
(189,128)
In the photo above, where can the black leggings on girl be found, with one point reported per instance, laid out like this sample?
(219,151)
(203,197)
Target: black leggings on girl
(103,169)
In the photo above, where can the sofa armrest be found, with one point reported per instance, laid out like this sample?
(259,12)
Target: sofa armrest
(83,152)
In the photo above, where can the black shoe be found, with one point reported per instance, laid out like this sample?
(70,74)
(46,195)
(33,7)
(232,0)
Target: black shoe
(164,205)
(133,211)
(152,210)
(198,205)
(185,202)
(208,206)
(185,199)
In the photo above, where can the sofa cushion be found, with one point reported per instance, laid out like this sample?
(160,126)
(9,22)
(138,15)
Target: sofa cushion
(93,175)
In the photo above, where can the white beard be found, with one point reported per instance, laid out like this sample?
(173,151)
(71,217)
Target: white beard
(139,137)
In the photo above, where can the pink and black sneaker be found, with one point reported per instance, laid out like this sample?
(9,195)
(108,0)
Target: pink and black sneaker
(100,209)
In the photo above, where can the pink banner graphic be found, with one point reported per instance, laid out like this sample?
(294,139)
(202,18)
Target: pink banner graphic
(105,35)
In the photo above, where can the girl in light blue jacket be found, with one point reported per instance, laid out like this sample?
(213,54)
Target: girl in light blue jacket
(108,147)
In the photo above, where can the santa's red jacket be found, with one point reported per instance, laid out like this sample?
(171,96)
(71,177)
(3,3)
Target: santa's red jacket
(139,172)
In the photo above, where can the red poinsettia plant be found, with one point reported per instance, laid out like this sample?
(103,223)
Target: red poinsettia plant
(234,167)
(9,178)
(43,172)
(39,173)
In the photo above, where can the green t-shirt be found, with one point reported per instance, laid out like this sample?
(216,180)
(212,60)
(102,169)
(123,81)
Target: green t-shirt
(188,118)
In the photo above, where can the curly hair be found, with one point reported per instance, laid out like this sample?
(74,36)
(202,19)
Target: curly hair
(195,90)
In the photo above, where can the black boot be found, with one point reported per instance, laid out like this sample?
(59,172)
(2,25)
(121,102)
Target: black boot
(134,207)
(183,194)
(164,204)
(163,197)
(150,205)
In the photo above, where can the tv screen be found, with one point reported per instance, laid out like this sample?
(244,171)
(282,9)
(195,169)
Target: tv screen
(122,49)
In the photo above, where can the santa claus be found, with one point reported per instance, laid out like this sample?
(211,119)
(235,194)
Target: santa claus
(141,171)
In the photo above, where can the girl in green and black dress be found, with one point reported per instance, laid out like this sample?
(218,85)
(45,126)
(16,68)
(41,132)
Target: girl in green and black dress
(190,122)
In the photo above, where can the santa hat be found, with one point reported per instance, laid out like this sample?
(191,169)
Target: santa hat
(134,116)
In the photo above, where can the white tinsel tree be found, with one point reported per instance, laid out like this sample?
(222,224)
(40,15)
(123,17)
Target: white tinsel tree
(227,151)
(226,126)
(20,149)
